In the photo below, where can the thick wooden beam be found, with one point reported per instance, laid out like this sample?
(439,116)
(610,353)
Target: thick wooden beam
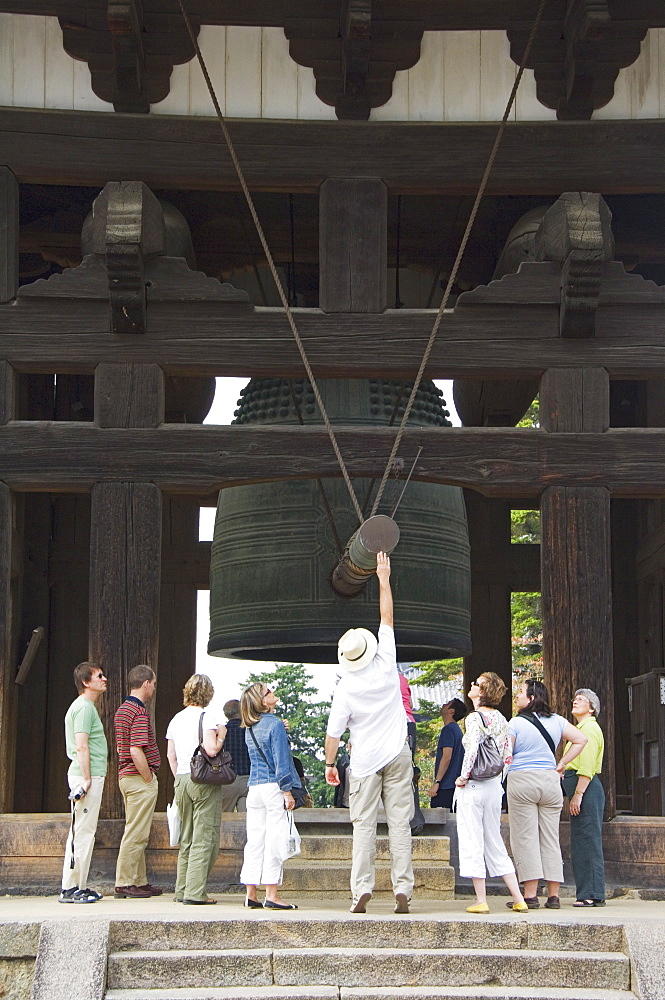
(64,457)
(195,325)
(576,562)
(8,235)
(167,151)
(125,548)
(453,15)
(353,245)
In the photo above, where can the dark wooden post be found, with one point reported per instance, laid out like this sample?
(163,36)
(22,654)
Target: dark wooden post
(8,644)
(8,588)
(125,550)
(489,538)
(353,244)
(576,561)
(8,235)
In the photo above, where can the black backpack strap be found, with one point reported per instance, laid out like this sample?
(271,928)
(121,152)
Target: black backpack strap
(534,720)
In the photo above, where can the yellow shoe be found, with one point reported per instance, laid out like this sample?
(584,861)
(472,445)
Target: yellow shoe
(478,908)
(520,908)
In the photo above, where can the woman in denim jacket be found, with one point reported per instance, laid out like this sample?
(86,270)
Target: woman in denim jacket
(272,776)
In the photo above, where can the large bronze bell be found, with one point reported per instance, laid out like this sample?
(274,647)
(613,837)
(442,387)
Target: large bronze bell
(276,544)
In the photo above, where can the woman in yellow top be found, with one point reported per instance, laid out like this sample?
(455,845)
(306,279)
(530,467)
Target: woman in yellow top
(582,785)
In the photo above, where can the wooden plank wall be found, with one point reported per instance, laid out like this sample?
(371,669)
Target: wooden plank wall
(461,76)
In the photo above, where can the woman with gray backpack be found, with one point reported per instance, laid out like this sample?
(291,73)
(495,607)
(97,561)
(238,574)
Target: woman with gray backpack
(535,798)
(487,749)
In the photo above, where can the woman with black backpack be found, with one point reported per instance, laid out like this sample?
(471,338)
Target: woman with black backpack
(487,748)
(535,798)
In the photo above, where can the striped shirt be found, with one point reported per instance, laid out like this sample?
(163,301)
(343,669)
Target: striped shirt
(133,728)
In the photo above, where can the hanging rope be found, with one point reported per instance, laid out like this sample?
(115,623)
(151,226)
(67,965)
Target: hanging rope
(271,264)
(460,254)
(449,285)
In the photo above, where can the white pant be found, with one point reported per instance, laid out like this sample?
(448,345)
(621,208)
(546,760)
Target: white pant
(86,814)
(479,830)
(266,827)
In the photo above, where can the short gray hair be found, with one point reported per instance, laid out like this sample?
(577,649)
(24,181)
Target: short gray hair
(594,700)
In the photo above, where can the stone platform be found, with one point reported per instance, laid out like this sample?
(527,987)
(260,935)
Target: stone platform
(160,950)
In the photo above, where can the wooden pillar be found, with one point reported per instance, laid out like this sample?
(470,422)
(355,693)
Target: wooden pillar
(353,244)
(9,599)
(184,573)
(8,594)
(9,225)
(491,626)
(576,561)
(125,550)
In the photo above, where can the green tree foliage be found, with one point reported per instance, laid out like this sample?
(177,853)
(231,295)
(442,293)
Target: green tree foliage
(307,721)
(433,672)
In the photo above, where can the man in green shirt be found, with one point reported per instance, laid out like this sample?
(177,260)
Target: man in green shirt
(87,749)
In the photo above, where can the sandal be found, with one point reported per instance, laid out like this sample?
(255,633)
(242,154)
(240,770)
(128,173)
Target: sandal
(553,903)
(584,902)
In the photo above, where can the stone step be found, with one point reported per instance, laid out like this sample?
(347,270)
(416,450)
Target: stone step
(327,879)
(266,929)
(377,993)
(368,967)
(338,848)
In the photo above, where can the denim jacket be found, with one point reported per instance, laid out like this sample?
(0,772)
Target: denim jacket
(271,737)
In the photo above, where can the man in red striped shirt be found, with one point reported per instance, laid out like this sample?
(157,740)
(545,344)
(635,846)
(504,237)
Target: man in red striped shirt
(138,763)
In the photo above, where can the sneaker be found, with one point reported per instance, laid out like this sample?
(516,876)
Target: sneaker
(86,896)
(67,895)
(131,892)
(360,905)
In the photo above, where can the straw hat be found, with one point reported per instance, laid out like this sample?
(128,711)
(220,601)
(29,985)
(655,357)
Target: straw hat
(356,649)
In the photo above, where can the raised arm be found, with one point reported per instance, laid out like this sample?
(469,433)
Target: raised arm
(385,593)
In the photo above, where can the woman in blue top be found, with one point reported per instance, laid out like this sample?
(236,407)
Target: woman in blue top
(272,776)
(534,791)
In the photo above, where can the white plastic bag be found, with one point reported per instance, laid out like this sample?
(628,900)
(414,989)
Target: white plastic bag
(173,820)
(288,845)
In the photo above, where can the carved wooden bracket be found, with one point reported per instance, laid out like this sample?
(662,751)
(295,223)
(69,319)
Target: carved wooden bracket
(355,58)
(576,60)
(130,55)
(128,226)
(576,232)
(135,250)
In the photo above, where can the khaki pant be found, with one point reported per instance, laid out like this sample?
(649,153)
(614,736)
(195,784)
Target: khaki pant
(86,814)
(200,808)
(234,796)
(392,784)
(139,798)
(535,800)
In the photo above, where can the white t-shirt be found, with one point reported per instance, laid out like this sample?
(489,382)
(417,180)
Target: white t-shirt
(183,729)
(369,703)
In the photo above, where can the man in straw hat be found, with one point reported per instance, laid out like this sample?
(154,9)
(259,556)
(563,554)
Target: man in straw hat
(368,702)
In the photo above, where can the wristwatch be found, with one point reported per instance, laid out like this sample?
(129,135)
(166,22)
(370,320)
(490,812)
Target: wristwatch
(331,765)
